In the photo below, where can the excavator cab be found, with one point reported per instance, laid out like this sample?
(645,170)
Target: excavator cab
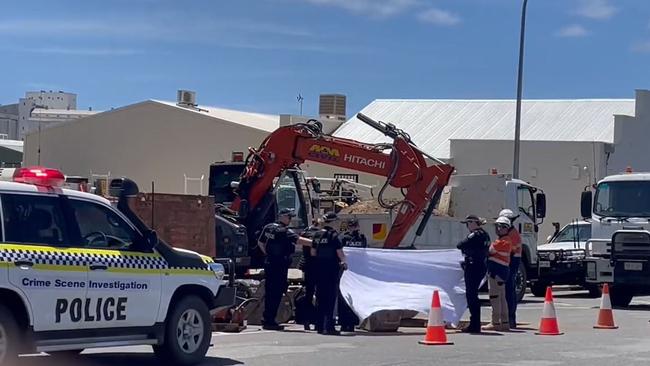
(237,232)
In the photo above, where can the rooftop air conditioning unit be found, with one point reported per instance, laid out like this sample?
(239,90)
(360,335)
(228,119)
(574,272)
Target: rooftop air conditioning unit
(186,98)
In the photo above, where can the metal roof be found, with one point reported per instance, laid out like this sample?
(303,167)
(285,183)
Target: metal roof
(15,145)
(264,122)
(432,123)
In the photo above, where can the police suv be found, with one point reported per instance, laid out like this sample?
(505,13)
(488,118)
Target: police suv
(77,273)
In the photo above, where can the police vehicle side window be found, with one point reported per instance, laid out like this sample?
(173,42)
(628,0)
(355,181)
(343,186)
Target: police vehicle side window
(34,219)
(100,227)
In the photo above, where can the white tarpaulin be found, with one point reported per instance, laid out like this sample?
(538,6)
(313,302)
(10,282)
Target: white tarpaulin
(389,279)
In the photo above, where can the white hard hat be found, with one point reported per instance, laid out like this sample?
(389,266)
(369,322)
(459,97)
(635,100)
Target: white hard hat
(502,220)
(507,213)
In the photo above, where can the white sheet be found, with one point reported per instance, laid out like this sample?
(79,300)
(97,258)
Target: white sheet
(384,279)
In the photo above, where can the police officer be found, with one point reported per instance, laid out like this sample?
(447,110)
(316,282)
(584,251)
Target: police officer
(330,259)
(353,238)
(475,249)
(308,268)
(278,242)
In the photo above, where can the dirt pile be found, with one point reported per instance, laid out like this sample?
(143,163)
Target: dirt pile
(366,207)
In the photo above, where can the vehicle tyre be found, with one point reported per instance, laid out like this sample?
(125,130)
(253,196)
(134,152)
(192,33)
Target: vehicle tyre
(620,297)
(594,291)
(188,332)
(521,280)
(538,288)
(9,337)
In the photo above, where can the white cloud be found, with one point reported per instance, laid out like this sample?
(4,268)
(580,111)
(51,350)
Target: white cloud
(160,28)
(85,36)
(438,17)
(80,51)
(377,8)
(641,47)
(596,9)
(573,31)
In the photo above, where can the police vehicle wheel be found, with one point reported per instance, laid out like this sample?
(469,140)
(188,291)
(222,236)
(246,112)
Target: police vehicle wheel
(188,332)
(9,338)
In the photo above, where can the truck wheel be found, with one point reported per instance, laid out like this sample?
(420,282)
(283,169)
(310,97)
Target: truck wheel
(66,355)
(188,332)
(594,291)
(620,297)
(520,281)
(9,338)
(538,288)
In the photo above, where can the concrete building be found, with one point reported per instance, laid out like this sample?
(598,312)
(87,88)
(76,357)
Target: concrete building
(566,144)
(38,110)
(171,144)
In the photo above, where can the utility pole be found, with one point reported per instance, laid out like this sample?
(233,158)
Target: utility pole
(515,168)
(300,99)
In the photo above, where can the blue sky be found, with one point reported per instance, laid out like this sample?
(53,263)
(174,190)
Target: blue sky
(257,55)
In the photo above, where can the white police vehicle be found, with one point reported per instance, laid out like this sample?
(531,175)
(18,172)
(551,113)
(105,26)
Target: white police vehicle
(77,273)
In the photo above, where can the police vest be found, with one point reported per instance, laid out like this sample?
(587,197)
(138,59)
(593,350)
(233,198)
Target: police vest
(326,243)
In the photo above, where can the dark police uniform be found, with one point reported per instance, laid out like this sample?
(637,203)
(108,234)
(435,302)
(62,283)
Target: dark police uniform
(326,243)
(475,249)
(308,266)
(347,318)
(280,244)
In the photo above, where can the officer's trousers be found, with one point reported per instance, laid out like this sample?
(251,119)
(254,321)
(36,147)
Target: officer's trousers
(327,288)
(511,290)
(347,318)
(310,274)
(275,285)
(474,274)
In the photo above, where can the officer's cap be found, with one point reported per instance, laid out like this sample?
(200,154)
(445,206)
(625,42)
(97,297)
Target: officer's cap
(473,218)
(330,217)
(353,222)
(286,212)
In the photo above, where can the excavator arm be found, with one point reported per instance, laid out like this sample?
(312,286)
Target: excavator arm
(401,162)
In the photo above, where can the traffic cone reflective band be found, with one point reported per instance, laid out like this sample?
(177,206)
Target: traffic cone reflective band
(436,334)
(605,315)
(548,325)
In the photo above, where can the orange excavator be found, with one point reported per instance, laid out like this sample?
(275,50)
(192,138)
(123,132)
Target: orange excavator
(255,198)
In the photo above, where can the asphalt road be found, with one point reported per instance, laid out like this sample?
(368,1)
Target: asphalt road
(580,345)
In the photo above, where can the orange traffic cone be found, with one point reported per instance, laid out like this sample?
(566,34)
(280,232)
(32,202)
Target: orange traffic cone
(436,334)
(605,315)
(548,325)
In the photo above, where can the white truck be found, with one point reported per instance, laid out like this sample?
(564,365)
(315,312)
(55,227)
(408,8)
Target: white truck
(561,259)
(619,251)
(483,195)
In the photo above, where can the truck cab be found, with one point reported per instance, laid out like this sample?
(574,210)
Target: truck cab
(619,251)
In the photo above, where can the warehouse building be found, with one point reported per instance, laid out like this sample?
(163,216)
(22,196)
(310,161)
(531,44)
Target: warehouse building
(566,144)
(171,144)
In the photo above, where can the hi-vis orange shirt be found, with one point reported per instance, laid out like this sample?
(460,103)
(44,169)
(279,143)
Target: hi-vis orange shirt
(515,239)
(500,251)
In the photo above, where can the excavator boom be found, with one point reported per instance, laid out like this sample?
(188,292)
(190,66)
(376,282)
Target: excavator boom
(401,162)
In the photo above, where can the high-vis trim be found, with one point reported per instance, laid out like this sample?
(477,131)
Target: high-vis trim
(549,311)
(76,259)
